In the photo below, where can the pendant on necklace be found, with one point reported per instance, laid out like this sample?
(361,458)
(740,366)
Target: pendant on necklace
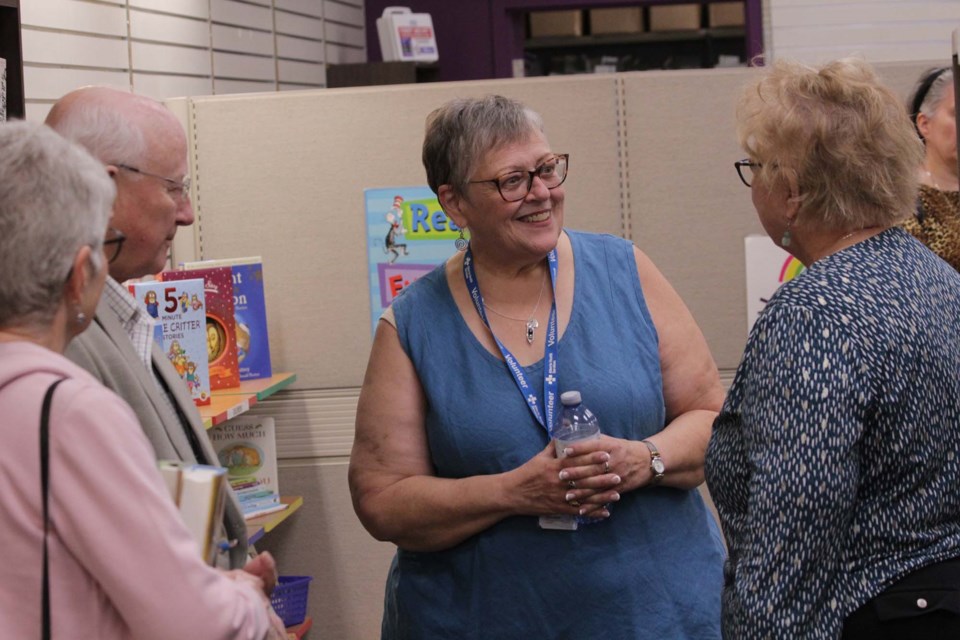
(532,325)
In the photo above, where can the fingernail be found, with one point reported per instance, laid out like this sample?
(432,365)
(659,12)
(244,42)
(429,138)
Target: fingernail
(582,511)
(606,458)
(604,514)
(570,496)
(616,479)
(568,451)
(564,475)
(615,497)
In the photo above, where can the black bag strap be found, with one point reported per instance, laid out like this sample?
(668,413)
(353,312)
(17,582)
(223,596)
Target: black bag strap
(44,483)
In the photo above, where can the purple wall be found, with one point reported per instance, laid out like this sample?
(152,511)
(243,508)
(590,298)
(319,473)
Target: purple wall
(478,39)
(463,35)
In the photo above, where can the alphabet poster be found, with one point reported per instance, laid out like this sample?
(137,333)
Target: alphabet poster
(408,235)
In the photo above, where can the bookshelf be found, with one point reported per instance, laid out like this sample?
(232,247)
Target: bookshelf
(230,403)
(257,527)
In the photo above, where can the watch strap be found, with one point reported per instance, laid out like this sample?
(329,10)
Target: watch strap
(656,462)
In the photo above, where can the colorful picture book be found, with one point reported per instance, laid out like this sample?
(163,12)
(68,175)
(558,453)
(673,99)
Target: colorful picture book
(199,491)
(179,309)
(220,323)
(250,314)
(246,447)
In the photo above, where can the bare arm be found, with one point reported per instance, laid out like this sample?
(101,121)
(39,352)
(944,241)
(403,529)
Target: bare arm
(692,394)
(395,492)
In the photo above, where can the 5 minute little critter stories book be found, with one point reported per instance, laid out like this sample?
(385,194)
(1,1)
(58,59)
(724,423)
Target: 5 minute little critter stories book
(220,324)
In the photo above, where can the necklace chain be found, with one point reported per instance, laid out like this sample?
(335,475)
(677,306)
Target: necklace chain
(543,282)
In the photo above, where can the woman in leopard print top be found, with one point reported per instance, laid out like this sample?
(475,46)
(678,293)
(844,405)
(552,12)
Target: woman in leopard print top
(937,220)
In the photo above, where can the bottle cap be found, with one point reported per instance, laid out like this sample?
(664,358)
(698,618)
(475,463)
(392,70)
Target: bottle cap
(570,398)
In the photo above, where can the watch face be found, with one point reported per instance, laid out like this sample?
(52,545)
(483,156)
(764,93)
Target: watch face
(657,465)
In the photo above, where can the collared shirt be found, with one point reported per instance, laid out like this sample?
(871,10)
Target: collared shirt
(139,326)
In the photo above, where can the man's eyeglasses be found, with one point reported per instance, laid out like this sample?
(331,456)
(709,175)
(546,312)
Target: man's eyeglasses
(176,188)
(747,177)
(113,243)
(515,186)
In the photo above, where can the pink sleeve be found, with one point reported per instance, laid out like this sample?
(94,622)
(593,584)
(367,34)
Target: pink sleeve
(112,511)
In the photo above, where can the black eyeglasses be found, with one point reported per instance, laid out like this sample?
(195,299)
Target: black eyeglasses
(113,243)
(515,186)
(178,189)
(750,164)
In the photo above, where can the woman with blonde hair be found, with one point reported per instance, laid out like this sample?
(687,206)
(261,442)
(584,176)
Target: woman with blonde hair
(835,461)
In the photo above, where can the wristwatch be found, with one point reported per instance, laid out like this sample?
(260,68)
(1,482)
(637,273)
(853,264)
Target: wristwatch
(656,462)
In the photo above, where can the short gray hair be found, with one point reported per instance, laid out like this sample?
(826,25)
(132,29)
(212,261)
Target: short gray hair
(933,92)
(54,199)
(460,132)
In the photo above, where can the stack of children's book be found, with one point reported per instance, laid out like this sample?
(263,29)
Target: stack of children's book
(246,446)
(198,491)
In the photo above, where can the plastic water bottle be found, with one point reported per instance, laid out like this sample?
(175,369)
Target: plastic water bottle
(577,424)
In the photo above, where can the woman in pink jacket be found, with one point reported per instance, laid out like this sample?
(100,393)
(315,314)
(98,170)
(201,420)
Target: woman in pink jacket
(121,563)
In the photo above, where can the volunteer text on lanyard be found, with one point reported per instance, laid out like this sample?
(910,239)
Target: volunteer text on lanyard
(546,416)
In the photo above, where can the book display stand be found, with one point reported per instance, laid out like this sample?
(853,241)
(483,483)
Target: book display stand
(230,403)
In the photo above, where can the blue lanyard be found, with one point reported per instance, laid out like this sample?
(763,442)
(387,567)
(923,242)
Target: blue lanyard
(550,382)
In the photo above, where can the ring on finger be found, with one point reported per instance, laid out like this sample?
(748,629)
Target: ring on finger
(572,484)
(574,503)
(606,466)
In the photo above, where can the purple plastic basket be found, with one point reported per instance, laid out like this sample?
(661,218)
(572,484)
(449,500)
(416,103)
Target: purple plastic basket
(289,599)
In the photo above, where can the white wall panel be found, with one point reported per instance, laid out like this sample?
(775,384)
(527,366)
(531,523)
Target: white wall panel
(339,54)
(74,15)
(37,111)
(241,14)
(295,25)
(299,48)
(49,83)
(161,87)
(169,59)
(240,67)
(345,13)
(307,7)
(815,31)
(241,40)
(195,8)
(344,34)
(222,86)
(302,72)
(145,25)
(52,47)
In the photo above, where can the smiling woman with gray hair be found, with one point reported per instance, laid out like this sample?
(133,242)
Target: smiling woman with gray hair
(96,546)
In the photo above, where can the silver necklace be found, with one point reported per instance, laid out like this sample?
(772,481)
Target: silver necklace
(530,323)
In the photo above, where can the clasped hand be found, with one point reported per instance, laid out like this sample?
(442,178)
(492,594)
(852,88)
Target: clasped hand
(582,483)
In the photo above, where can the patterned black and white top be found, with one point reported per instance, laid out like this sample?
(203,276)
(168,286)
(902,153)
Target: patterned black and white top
(835,462)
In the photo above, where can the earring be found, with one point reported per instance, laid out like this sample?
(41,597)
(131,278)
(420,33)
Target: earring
(81,317)
(785,240)
(461,242)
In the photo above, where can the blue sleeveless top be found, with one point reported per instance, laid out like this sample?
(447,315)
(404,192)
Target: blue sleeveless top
(652,570)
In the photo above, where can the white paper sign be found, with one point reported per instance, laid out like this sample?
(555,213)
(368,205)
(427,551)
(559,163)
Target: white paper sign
(768,267)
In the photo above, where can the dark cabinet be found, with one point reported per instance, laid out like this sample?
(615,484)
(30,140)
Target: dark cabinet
(11,51)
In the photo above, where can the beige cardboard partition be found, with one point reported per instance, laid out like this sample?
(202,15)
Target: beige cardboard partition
(282,176)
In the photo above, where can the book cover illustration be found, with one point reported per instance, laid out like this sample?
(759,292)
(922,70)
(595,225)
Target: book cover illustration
(179,310)
(250,314)
(408,235)
(220,324)
(199,491)
(246,446)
